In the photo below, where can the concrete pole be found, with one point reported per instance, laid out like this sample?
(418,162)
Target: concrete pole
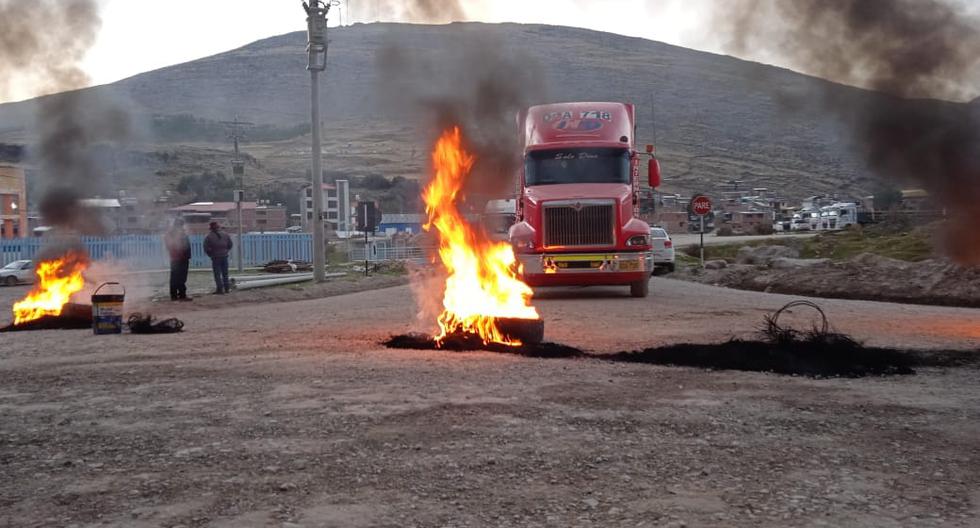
(238,206)
(319,250)
(316,12)
(702,241)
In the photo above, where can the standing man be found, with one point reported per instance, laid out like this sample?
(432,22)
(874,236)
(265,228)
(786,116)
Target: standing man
(217,245)
(179,247)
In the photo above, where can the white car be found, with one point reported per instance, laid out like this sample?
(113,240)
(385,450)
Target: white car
(17,272)
(663,250)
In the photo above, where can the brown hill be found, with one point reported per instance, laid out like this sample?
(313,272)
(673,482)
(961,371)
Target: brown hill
(714,118)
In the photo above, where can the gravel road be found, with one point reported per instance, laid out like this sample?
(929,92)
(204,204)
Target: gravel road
(292,415)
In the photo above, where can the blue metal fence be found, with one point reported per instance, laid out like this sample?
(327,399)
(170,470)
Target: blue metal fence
(381,253)
(149,252)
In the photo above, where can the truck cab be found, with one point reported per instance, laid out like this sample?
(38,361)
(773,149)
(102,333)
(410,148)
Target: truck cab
(838,216)
(577,210)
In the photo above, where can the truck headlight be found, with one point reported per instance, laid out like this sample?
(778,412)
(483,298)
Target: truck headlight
(638,240)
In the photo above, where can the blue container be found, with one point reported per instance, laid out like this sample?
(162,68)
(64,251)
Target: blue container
(107,309)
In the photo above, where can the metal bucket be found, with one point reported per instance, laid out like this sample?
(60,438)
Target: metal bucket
(107,309)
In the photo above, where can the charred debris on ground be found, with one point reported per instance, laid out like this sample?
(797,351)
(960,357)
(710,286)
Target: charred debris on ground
(817,352)
(833,357)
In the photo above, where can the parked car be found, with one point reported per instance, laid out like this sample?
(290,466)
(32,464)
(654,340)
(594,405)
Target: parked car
(663,250)
(17,272)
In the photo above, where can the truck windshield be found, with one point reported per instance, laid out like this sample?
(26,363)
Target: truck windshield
(583,165)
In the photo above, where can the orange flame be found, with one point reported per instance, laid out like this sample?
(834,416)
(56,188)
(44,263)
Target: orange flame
(483,283)
(57,280)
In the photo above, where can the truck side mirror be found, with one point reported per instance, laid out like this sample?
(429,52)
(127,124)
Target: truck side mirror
(653,173)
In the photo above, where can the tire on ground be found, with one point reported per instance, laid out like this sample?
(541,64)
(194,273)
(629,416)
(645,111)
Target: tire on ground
(640,289)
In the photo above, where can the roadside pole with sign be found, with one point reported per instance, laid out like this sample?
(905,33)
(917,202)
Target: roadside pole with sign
(365,226)
(367,221)
(701,206)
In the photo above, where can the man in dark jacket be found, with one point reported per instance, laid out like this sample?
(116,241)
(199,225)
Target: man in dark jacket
(179,247)
(217,245)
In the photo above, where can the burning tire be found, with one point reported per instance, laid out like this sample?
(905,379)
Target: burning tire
(640,289)
(527,331)
(484,298)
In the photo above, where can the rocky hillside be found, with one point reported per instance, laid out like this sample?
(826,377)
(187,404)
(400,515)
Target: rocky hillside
(714,118)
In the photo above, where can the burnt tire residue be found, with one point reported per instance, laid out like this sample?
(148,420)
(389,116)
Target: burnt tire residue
(49,322)
(474,344)
(810,358)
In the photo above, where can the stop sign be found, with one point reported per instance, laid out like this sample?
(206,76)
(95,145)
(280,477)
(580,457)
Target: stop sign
(701,205)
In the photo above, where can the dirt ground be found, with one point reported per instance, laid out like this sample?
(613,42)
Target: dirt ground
(920,277)
(292,415)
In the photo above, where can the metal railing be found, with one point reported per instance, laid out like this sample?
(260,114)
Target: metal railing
(380,253)
(149,252)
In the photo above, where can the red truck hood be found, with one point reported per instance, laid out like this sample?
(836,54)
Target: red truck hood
(580,191)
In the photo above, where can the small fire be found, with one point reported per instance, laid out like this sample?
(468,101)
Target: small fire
(483,283)
(57,280)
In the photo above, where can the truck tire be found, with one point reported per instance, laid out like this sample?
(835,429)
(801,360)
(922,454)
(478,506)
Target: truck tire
(640,289)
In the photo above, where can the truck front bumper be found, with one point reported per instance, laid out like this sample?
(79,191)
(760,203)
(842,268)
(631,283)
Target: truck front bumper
(574,269)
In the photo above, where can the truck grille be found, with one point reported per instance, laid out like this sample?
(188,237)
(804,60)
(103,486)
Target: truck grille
(579,225)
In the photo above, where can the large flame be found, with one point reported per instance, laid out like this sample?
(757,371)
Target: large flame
(483,283)
(57,280)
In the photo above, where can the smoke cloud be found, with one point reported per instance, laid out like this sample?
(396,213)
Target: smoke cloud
(42,43)
(418,11)
(914,51)
(480,88)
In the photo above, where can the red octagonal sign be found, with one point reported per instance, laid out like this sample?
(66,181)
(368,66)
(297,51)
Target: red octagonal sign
(701,205)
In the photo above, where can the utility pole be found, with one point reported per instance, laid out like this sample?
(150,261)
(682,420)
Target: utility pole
(316,21)
(238,169)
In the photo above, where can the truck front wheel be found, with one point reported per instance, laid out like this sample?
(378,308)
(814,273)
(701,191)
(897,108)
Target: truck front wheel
(640,289)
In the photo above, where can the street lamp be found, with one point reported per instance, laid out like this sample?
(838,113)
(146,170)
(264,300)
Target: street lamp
(316,21)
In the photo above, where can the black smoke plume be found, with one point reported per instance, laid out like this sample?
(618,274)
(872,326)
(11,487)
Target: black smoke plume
(481,88)
(42,43)
(920,54)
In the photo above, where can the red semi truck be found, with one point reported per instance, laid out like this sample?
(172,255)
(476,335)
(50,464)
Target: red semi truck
(577,209)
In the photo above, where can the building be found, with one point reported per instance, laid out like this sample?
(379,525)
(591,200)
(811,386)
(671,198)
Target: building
(127,215)
(916,200)
(256,217)
(101,215)
(336,198)
(393,224)
(13,202)
(748,222)
(672,221)
(144,216)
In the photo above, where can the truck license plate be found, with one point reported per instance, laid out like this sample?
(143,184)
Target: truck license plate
(579,264)
(629,265)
